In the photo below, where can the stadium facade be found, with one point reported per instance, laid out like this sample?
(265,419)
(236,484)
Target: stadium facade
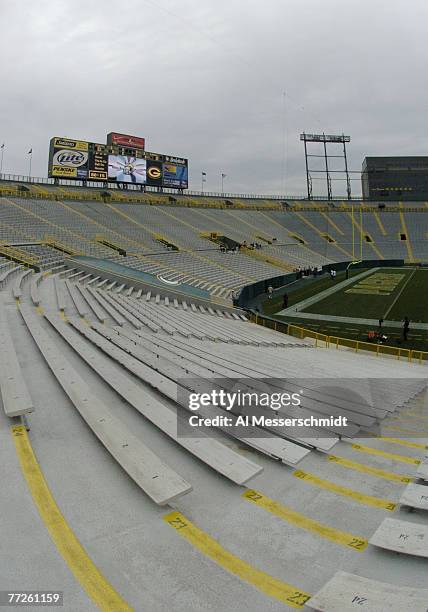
(392,178)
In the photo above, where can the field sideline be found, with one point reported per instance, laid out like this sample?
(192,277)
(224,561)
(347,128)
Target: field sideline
(409,297)
(388,293)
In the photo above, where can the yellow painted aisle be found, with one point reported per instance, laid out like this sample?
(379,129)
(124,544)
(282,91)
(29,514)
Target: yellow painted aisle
(85,571)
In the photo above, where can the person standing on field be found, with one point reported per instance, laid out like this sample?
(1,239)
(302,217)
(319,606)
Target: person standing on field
(406,325)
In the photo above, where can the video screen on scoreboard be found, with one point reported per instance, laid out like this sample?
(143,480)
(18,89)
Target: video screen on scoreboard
(175,175)
(154,173)
(127,169)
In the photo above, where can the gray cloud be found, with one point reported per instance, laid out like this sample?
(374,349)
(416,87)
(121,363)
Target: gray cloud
(206,80)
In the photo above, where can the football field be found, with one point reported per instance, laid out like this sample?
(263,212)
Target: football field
(387,293)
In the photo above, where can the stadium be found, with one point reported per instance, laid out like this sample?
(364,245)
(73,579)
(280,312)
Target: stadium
(209,400)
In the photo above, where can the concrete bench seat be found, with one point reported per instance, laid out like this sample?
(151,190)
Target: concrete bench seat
(160,482)
(60,294)
(136,310)
(34,288)
(217,456)
(8,271)
(415,496)
(193,327)
(139,294)
(348,592)
(57,269)
(17,287)
(102,283)
(93,280)
(77,299)
(129,291)
(67,271)
(92,303)
(402,536)
(106,306)
(137,313)
(165,320)
(5,276)
(319,399)
(242,367)
(75,275)
(217,330)
(274,446)
(84,278)
(147,316)
(120,288)
(171,349)
(117,307)
(148,296)
(14,393)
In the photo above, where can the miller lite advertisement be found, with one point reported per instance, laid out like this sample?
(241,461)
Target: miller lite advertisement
(68,158)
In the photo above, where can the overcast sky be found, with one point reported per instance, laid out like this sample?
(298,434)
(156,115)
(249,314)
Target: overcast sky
(206,80)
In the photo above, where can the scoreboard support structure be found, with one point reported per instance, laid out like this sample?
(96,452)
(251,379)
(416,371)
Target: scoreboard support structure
(325,140)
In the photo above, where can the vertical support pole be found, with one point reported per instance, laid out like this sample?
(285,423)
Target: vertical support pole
(329,192)
(348,180)
(308,180)
(353,233)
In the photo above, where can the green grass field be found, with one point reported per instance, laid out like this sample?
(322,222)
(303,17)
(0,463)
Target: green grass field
(390,294)
(309,288)
(394,294)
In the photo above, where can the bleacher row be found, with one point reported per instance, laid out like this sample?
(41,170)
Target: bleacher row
(168,346)
(291,238)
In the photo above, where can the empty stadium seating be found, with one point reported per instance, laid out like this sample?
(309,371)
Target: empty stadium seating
(99,371)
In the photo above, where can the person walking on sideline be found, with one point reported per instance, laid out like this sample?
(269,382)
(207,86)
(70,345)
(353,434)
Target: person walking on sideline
(406,326)
(270,292)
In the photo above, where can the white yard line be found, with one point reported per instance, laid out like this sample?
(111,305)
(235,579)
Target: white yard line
(399,293)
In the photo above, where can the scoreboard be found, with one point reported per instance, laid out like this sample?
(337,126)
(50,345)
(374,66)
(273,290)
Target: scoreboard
(122,160)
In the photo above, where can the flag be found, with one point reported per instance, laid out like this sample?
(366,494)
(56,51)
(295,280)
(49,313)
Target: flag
(223,175)
(30,152)
(2,147)
(204,173)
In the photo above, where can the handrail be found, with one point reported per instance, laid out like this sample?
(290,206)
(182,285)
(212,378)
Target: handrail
(325,341)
